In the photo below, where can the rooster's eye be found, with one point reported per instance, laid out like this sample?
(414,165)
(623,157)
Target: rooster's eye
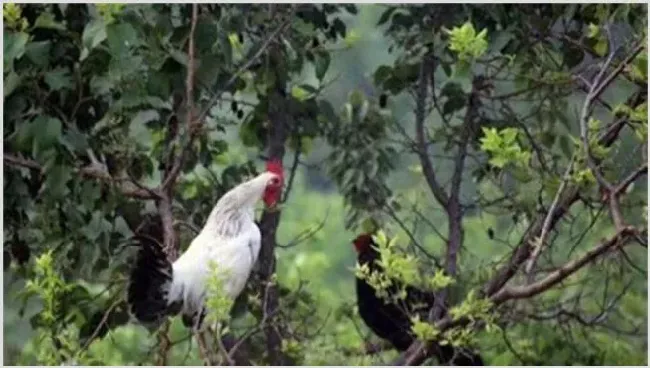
(274,181)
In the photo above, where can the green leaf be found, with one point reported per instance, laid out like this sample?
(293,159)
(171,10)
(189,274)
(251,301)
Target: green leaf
(122,228)
(382,74)
(94,33)
(498,161)
(138,125)
(46,20)
(300,93)
(446,67)
(56,179)
(14,47)
(509,135)
(593,30)
(11,82)
(350,8)
(601,47)
(75,141)
(39,52)
(97,226)
(501,40)
(46,131)
(180,56)
(385,16)
(322,64)
(327,111)
(120,38)
(59,78)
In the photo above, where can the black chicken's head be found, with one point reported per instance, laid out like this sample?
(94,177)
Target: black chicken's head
(363,242)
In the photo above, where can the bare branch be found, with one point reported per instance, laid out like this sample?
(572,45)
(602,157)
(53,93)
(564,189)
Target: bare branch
(192,125)
(125,186)
(538,244)
(292,173)
(610,78)
(306,234)
(189,82)
(518,292)
(166,188)
(427,166)
(622,186)
(101,324)
(453,205)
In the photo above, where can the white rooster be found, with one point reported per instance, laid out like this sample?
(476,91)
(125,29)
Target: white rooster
(230,239)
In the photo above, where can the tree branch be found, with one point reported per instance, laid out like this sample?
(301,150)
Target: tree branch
(418,351)
(167,187)
(596,89)
(453,205)
(584,121)
(518,292)
(192,126)
(292,172)
(263,46)
(125,186)
(538,244)
(622,186)
(425,161)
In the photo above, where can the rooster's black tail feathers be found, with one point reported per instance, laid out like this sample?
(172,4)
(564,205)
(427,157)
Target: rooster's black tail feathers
(149,284)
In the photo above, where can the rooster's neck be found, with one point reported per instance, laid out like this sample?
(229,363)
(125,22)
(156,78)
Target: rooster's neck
(229,221)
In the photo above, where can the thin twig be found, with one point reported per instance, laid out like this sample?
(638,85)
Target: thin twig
(538,244)
(292,173)
(244,67)
(630,179)
(306,234)
(584,122)
(99,326)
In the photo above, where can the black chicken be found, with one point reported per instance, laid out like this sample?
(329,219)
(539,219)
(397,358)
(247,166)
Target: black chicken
(391,321)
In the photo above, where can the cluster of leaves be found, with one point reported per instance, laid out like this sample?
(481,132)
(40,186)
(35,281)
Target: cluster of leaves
(503,148)
(56,336)
(218,305)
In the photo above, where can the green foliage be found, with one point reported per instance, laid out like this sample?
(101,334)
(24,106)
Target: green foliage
(503,148)
(12,16)
(100,88)
(400,269)
(638,118)
(466,42)
(56,333)
(424,330)
(473,308)
(217,303)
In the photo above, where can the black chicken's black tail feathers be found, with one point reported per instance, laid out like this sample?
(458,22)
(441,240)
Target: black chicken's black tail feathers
(149,284)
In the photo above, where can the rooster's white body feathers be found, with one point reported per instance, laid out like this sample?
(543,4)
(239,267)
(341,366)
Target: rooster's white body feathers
(234,258)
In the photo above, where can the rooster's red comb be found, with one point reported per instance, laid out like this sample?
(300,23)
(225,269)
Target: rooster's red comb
(274,166)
